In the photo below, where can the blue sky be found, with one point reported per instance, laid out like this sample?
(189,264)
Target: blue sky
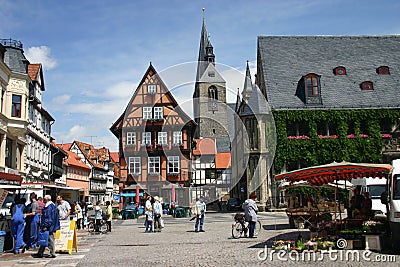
(95,52)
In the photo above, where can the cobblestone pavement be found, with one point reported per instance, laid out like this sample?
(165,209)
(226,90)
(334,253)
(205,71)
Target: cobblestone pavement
(179,245)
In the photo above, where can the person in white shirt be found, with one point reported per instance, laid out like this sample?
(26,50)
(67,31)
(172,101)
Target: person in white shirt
(64,209)
(98,213)
(157,210)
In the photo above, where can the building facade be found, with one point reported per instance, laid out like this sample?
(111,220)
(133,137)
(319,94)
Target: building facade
(333,98)
(102,170)
(253,157)
(38,149)
(14,99)
(155,138)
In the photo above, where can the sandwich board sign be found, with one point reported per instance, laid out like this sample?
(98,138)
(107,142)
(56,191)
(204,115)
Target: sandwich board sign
(65,239)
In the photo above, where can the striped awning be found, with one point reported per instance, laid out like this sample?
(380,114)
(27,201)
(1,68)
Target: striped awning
(323,174)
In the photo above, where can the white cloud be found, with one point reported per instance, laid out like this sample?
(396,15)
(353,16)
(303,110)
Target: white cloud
(124,89)
(74,133)
(62,99)
(41,54)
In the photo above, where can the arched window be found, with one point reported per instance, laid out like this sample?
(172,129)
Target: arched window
(213,92)
(367,86)
(383,70)
(312,84)
(339,71)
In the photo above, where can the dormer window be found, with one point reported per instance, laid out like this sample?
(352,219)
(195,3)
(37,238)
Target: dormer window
(339,71)
(383,70)
(312,84)
(367,86)
(309,89)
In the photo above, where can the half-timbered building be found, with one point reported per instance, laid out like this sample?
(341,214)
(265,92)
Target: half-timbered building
(155,138)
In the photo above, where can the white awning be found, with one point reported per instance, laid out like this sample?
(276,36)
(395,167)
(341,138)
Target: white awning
(6,186)
(62,187)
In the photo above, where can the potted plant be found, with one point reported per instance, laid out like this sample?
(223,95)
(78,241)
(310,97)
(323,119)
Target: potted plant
(327,245)
(300,246)
(311,245)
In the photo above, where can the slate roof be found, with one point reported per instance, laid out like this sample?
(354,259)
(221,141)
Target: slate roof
(255,103)
(14,56)
(286,59)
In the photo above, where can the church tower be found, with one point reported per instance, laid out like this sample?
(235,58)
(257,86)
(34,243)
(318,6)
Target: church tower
(209,98)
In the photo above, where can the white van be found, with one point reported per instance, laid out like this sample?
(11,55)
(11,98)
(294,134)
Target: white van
(393,201)
(375,187)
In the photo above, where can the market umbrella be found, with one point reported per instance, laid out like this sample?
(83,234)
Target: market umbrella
(329,173)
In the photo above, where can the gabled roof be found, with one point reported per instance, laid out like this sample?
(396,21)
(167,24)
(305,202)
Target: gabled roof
(35,72)
(114,156)
(117,125)
(91,154)
(211,75)
(65,147)
(74,160)
(284,60)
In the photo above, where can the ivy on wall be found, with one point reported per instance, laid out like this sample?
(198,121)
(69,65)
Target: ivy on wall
(360,146)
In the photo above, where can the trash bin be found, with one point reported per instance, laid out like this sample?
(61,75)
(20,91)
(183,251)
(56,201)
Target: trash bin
(2,237)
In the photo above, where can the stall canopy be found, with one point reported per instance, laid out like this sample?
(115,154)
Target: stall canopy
(329,173)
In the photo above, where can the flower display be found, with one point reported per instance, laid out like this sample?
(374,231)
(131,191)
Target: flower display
(328,136)
(283,244)
(303,137)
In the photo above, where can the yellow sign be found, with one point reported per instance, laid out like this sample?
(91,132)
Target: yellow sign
(65,239)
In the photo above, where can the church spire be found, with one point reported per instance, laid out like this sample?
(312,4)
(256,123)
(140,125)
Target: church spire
(248,87)
(206,50)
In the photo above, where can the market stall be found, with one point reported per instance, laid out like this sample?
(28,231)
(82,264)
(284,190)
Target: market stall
(305,213)
(357,229)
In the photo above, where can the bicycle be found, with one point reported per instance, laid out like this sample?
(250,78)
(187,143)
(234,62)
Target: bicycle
(240,226)
(103,227)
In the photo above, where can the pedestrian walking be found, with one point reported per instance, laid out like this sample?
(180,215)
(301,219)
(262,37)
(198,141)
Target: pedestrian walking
(157,211)
(17,224)
(84,214)
(149,220)
(109,215)
(31,222)
(148,210)
(79,215)
(98,212)
(41,205)
(199,211)
(250,213)
(50,222)
(64,209)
